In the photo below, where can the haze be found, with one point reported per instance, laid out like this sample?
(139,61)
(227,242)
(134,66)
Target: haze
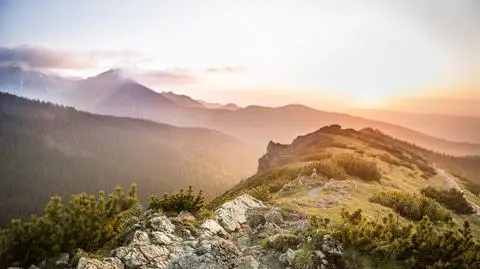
(331,55)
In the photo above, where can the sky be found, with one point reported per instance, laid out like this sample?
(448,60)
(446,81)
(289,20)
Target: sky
(326,54)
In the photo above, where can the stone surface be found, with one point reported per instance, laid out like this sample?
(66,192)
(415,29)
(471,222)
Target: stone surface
(62,260)
(161,223)
(243,242)
(161,238)
(140,238)
(274,215)
(254,217)
(226,242)
(247,262)
(231,215)
(107,263)
(186,216)
(213,228)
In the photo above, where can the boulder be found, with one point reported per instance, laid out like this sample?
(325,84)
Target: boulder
(130,256)
(160,238)
(212,227)
(62,260)
(254,218)
(231,215)
(274,215)
(243,242)
(213,253)
(288,258)
(106,263)
(186,216)
(140,238)
(161,223)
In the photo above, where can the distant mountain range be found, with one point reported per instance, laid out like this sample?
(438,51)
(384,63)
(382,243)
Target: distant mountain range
(445,126)
(47,150)
(111,93)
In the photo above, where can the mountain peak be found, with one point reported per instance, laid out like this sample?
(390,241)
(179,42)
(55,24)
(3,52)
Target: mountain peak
(112,72)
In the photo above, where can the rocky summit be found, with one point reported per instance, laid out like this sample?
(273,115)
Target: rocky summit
(234,239)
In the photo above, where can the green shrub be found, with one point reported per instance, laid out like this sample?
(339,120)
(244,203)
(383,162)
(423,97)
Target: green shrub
(303,259)
(261,193)
(412,206)
(452,199)
(178,201)
(360,168)
(392,243)
(326,168)
(86,222)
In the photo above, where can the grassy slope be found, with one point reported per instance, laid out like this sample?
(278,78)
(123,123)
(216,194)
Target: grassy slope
(384,151)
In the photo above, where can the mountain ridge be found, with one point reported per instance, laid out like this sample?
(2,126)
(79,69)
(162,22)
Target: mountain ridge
(111,94)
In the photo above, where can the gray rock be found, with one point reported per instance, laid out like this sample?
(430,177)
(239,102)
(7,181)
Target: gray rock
(269,229)
(161,223)
(212,227)
(140,238)
(62,260)
(211,253)
(254,218)
(186,216)
(231,215)
(290,256)
(130,256)
(243,242)
(107,263)
(160,238)
(274,215)
(33,266)
(331,247)
(247,262)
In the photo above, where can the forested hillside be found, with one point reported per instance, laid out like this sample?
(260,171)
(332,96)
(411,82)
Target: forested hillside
(46,149)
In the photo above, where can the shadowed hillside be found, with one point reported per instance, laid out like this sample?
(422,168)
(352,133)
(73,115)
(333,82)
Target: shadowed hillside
(47,149)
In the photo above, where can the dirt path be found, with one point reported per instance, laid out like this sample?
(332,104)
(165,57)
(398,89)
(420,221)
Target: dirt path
(451,183)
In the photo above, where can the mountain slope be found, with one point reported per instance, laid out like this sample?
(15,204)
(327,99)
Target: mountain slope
(332,168)
(47,149)
(182,100)
(258,125)
(111,93)
(453,128)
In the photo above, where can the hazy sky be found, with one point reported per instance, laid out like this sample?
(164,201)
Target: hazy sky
(263,52)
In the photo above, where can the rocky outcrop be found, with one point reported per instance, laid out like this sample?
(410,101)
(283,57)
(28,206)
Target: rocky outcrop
(272,157)
(231,215)
(107,263)
(232,241)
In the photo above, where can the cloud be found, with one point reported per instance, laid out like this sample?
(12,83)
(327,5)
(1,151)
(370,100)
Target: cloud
(168,76)
(41,57)
(227,69)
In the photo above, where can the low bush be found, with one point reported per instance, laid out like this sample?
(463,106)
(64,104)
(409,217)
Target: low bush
(411,206)
(86,222)
(326,168)
(452,199)
(178,202)
(261,193)
(392,243)
(358,167)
